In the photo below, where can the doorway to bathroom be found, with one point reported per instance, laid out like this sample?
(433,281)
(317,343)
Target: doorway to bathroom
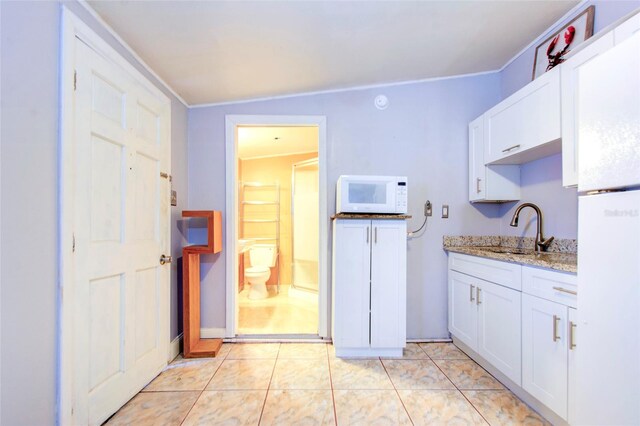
(277,224)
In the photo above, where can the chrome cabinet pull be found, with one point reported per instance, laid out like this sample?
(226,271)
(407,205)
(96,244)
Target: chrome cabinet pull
(367,235)
(471,287)
(572,335)
(564,290)
(556,320)
(375,235)
(478,185)
(165,259)
(511,148)
(478,296)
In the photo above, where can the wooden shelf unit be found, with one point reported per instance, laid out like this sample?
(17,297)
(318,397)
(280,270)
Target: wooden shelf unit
(194,345)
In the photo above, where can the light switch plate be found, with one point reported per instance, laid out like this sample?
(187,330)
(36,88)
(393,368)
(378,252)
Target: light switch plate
(445,211)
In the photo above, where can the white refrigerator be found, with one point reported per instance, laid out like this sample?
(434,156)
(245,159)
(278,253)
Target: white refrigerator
(607,379)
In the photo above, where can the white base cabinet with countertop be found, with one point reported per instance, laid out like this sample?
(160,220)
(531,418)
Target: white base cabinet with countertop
(369,287)
(519,322)
(548,336)
(484,314)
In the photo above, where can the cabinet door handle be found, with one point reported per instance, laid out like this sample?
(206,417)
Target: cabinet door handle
(564,290)
(572,328)
(478,185)
(511,148)
(471,287)
(478,295)
(556,320)
(375,235)
(367,235)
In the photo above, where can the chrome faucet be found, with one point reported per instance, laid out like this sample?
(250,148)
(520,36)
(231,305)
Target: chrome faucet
(541,244)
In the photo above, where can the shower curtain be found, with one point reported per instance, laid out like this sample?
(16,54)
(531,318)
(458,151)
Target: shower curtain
(305,219)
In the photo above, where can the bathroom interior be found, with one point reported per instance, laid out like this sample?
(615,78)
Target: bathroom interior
(278,224)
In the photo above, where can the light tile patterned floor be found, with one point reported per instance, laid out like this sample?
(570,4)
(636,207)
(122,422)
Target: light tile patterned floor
(277,314)
(293,383)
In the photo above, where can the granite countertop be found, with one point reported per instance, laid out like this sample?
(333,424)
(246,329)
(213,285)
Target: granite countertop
(370,216)
(560,256)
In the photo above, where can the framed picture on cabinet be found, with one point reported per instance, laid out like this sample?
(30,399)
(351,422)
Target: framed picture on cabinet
(553,51)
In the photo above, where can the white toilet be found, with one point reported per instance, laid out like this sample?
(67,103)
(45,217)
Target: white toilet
(263,257)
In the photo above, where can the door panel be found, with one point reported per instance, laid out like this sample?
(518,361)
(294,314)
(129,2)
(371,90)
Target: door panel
(388,284)
(147,203)
(106,342)
(121,330)
(463,313)
(107,172)
(499,328)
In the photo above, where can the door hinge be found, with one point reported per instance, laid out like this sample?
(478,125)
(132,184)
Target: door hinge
(75,80)
(73,244)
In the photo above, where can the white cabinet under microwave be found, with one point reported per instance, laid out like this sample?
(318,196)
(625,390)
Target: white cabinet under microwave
(371,194)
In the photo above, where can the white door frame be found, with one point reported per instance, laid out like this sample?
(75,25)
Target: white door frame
(231,130)
(73,27)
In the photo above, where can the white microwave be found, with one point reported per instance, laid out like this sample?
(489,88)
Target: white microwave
(371,194)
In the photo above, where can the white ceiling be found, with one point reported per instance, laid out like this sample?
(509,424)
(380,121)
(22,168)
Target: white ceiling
(256,142)
(223,51)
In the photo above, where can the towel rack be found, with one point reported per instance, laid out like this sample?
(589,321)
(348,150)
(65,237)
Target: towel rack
(246,201)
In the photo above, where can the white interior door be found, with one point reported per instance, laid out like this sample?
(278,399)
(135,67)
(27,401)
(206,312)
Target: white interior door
(121,217)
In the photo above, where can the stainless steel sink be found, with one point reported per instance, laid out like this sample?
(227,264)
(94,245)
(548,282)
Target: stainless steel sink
(510,250)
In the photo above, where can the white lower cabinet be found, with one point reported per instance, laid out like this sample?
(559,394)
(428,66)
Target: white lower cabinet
(486,317)
(499,328)
(573,345)
(530,336)
(549,337)
(369,287)
(544,352)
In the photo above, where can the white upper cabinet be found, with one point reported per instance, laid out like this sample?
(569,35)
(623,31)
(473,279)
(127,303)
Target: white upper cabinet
(489,183)
(569,72)
(627,28)
(526,125)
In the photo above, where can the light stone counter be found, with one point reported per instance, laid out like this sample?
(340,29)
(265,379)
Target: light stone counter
(561,255)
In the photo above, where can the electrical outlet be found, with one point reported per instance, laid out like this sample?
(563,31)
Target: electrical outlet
(445,211)
(427,208)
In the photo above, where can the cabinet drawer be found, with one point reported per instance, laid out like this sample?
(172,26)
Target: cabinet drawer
(559,287)
(495,271)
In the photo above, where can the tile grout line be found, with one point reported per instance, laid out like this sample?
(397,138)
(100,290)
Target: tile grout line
(459,390)
(397,393)
(266,395)
(203,389)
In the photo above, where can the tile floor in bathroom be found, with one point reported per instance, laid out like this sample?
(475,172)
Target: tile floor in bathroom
(292,383)
(280,313)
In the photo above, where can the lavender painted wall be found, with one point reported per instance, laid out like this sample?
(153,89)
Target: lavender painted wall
(30,34)
(423,134)
(542,179)
(541,184)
